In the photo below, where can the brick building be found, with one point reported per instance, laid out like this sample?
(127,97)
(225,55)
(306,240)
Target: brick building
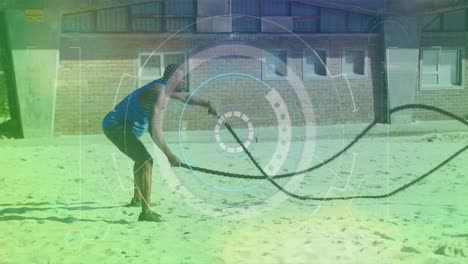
(353,59)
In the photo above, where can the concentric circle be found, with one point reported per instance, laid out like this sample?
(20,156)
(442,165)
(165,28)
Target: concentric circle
(284,132)
(250,134)
(295,85)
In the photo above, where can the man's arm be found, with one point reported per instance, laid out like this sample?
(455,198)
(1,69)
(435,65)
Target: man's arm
(155,132)
(159,140)
(186,98)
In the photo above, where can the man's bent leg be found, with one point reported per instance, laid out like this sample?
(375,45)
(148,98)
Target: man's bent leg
(144,170)
(145,187)
(136,178)
(131,146)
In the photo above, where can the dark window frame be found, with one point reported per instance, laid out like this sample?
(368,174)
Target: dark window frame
(366,64)
(308,52)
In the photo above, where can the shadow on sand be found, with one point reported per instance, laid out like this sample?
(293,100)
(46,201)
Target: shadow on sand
(67,220)
(33,206)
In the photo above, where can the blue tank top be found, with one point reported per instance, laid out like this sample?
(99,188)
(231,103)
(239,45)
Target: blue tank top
(129,111)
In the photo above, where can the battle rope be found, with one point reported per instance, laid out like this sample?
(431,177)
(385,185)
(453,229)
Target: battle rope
(356,139)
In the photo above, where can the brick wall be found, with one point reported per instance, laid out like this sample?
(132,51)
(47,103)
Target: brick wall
(87,88)
(453,100)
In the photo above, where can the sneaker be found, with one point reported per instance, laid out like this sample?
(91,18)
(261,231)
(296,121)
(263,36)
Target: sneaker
(150,216)
(135,203)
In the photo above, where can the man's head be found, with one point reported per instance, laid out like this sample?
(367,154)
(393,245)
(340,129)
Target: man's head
(174,77)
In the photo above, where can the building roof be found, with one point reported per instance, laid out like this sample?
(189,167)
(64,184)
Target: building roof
(421,7)
(405,7)
(373,6)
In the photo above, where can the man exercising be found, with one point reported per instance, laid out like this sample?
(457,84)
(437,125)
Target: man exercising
(130,118)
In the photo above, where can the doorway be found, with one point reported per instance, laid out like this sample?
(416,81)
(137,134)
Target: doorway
(10,119)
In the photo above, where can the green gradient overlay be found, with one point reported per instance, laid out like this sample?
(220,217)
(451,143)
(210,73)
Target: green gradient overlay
(64,197)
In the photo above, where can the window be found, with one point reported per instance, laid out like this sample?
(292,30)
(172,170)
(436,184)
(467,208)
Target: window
(314,64)
(275,66)
(152,66)
(354,63)
(441,67)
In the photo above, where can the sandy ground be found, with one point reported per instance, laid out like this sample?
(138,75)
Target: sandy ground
(64,201)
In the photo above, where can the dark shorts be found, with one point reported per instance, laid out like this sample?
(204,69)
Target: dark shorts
(127,142)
